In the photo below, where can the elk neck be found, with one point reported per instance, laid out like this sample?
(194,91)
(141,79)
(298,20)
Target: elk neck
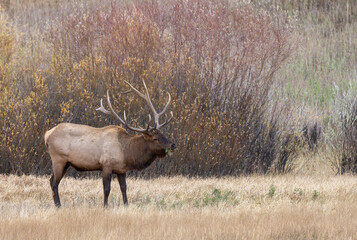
(139,156)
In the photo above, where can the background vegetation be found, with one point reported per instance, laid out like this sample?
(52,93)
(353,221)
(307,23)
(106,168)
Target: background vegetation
(257,87)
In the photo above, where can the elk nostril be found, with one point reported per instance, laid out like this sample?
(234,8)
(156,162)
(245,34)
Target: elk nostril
(173,146)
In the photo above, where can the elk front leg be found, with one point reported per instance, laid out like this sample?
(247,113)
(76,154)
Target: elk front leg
(107,177)
(122,184)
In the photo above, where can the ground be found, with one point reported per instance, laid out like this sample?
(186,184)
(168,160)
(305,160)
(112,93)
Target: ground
(256,207)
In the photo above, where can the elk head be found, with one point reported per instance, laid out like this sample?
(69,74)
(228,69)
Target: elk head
(157,142)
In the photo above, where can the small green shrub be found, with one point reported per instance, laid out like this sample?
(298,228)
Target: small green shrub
(271,192)
(315,195)
(217,197)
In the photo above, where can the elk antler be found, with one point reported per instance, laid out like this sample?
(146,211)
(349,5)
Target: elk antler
(113,113)
(148,100)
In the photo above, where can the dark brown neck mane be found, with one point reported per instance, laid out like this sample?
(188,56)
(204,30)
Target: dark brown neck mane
(139,155)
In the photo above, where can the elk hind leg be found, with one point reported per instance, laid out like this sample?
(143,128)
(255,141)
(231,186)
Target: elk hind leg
(59,170)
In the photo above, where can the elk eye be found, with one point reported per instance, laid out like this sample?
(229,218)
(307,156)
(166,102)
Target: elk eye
(156,140)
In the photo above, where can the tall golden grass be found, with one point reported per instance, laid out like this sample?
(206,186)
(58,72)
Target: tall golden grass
(260,207)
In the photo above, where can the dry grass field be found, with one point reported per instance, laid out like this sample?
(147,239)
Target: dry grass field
(256,207)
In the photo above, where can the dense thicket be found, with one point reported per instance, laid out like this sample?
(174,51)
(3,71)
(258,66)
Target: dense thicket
(238,108)
(217,59)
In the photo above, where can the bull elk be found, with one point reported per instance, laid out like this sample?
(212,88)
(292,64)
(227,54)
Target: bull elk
(110,149)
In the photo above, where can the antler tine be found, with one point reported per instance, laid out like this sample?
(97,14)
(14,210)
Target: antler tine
(113,113)
(167,104)
(124,116)
(166,122)
(146,97)
(157,115)
(149,100)
(102,109)
(128,91)
(132,128)
(148,126)
(135,90)
(112,110)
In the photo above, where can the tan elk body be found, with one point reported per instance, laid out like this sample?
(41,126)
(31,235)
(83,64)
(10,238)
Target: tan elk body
(109,149)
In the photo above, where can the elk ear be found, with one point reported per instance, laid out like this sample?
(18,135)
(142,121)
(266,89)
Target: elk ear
(147,134)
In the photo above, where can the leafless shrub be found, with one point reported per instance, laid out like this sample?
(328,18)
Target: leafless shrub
(312,134)
(342,137)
